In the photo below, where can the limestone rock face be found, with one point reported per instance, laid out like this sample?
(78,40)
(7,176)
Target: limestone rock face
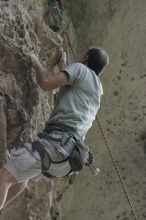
(24,107)
(32,26)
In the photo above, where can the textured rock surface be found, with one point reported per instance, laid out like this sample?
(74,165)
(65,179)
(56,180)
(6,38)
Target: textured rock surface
(119,27)
(24,107)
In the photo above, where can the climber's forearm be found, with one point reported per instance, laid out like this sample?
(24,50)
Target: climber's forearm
(62,66)
(48,81)
(63,62)
(41,75)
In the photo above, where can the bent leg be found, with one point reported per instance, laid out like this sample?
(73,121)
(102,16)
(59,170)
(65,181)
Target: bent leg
(22,165)
(6,181)
(14,191)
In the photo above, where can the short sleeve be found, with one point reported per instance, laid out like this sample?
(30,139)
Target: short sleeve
(74,72)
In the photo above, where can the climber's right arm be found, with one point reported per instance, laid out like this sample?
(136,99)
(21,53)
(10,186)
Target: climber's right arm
(46,80)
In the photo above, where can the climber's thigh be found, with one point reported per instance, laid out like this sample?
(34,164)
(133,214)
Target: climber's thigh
(23,164)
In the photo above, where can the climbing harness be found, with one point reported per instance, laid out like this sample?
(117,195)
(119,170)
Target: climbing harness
(79,157)
(107,145)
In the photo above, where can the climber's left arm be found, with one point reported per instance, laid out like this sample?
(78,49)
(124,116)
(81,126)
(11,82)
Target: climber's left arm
(46,80)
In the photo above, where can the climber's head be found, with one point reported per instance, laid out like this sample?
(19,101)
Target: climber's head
(96,59)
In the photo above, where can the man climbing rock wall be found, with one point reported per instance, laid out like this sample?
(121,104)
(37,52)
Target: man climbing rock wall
(120,27)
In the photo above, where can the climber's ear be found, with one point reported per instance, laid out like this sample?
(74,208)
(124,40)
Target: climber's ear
(84,60)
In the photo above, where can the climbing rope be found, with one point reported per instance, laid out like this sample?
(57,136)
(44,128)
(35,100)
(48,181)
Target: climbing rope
(117,169)
(101,129)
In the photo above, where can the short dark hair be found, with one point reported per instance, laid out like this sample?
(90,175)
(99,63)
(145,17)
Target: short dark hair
(97,59)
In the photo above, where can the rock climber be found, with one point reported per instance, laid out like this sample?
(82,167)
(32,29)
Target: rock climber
(59,150)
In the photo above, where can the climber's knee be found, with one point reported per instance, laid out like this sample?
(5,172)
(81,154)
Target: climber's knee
(24,184)
(6,177)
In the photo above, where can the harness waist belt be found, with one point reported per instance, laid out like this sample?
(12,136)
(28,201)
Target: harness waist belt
(62,127)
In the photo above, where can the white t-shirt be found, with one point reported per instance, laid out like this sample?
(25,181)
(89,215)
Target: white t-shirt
(77,103)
